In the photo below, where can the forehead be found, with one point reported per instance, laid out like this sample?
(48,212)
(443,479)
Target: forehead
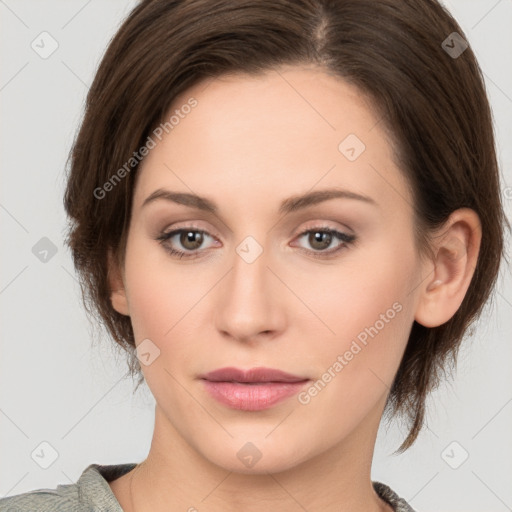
(285,131)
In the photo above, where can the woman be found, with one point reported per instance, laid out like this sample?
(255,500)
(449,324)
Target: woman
(283,211)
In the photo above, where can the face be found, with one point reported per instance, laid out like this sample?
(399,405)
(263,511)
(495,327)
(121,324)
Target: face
(252,276)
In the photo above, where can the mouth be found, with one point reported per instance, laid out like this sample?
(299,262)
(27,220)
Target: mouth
(255,389)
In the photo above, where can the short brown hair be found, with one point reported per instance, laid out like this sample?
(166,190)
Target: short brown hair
(432,103)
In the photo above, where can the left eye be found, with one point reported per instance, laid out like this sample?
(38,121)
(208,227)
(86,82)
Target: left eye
(191,240)
(321,238)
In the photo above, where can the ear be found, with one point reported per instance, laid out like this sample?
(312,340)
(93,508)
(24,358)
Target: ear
(116,286)
(456,248)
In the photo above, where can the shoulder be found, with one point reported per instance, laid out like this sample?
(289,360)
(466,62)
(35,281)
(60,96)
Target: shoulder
(90,492)
(390,497)
(42,500)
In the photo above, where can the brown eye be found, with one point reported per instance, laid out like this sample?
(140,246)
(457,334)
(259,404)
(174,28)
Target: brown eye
(185,242)
(191,240)
(320,240)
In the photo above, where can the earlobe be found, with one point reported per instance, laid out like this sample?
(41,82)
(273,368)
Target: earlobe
(456,251)
(116,286)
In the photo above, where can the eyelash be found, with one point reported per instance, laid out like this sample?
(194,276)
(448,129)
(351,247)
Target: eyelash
(343,237)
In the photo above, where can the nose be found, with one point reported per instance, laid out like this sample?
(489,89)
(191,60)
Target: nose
(249,304)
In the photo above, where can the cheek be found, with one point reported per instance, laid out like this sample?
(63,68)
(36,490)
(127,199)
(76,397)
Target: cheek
(165,301)
(370,311)
(368,307)
(362,292)
(160,293)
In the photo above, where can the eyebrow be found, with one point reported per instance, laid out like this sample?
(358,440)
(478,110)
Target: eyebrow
(290,205)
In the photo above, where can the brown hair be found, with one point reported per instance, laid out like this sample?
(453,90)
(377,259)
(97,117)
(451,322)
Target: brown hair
(433,104)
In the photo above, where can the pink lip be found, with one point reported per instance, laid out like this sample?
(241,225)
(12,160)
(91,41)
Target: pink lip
(251,390)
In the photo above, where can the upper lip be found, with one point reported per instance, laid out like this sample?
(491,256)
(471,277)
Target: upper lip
(260,374)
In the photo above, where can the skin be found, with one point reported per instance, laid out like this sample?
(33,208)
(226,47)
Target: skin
(251,142)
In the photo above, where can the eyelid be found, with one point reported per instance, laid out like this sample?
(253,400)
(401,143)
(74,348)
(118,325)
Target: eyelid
(322,224)
(190,225)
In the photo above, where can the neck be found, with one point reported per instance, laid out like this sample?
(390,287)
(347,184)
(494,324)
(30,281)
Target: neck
(175,476)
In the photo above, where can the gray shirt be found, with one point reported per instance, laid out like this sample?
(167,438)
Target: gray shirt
(91,493)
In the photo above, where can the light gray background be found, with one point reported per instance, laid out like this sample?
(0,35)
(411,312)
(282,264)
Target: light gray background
(57,387)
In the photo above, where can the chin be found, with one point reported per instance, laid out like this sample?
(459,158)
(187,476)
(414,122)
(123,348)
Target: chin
(257,457)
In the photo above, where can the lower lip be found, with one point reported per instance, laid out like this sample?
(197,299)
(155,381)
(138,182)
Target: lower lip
(252,397)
